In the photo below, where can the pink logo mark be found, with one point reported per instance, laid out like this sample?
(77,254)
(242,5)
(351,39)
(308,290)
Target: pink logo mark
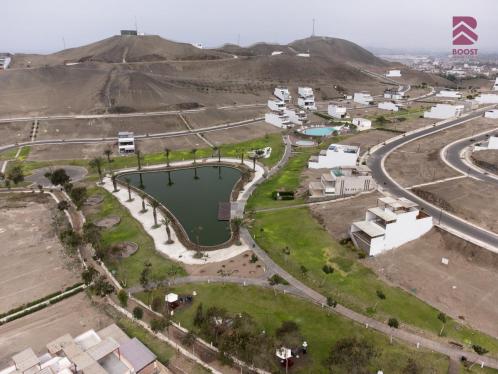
(463,30)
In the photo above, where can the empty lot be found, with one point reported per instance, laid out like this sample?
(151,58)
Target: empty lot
(419,162)
(33,263)
(71,316)
(465,289)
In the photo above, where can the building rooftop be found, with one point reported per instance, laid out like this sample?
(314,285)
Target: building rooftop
(113,331)
(25,359)
(103,348)
(137,354)
(386,215)
(370,228)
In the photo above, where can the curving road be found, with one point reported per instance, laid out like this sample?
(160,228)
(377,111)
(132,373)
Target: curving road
(453,156)
(445,220)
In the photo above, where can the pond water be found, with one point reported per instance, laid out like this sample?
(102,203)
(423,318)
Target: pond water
(194,202)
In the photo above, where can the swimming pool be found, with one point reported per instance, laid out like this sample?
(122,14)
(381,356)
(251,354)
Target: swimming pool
(320,131)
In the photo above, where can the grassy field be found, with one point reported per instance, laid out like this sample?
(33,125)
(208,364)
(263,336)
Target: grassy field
(128,269)
(352,284)
(163,351)
(319,329)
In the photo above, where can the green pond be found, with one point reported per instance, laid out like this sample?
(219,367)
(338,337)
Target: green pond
(193,201)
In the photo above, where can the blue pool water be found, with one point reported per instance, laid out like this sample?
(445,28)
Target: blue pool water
(320,131)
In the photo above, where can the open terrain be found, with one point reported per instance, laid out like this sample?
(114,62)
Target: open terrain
(419,162)
(74,316)
(34,263)
(487,160)
(464,289)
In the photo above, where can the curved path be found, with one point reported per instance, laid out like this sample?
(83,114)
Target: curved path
(449,222)
(452,155)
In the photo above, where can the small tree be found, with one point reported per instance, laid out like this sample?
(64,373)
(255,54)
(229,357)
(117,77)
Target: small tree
(194,153)
(159,324)
(138,312)
(58,177)
(167,152)
(62,205)
(144,207)
(199,316)
(380,294)
(123,298)
(139,159)
(479,350)
(16,175)
(128,186)
(393,322)
(145,275)
(96,164)
(442,317)
(154,204)
(331,302)
(88,275)
(166,221)
(108,153)
(189,339)
(78,195)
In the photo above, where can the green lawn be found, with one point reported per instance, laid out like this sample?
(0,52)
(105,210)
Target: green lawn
(476,369)
(163,351)
(128,270)
(8,155)
(352,284)
(320,329)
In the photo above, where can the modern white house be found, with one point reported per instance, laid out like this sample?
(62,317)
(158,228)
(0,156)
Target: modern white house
(393,94)
(387,105)
(283,94)
(393,73)
(279,119)
(343,181)
(363,98)
(495,86)
(444,111)
(296,116)
(449,94)
(362,123)
(4,62)
(491,143)
(276,105)
(336,155)
(336,111)
(306,98)
(392,223)
(126,142)
(487,99)
(493,113)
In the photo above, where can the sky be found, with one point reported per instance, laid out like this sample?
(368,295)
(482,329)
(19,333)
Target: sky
(35,26)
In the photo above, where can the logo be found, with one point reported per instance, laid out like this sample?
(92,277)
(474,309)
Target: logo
(464,34)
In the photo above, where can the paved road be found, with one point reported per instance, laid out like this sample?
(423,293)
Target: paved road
(456,161)
(445,220)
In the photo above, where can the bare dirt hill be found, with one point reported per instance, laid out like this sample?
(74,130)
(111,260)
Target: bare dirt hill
(118,49)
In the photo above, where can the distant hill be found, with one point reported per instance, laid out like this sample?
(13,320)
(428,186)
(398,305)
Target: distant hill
(118,49)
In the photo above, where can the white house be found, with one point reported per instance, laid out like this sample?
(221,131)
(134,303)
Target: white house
(296,116)
(343,181)
(449,94)
(393,222)
(278,118)
(495,86)
(126,142)
(487,99)
(4,62)
(334,156)
(283,94)
(362,98)
(303,55)
(198,45)
(276,105)
(393,73)
(493,113)
(491,143)
(276,53)
(393,94)
(387,105)
(444,111)
(362,123)
(306,99)
(336,111)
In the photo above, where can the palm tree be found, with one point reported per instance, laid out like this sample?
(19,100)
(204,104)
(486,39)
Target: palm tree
(194,151)
(167,151)
(96,163)
(108,153)
(144,207)
(114,182)
(242,151)
(217,151)
(139,159)
(128,181)
(254,163)
(154,204)
(166,221)
(237,223)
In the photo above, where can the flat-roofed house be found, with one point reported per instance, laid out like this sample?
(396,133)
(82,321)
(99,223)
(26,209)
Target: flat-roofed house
(336,155)
(137,356)
(392,223)
(126,142)
(343,181)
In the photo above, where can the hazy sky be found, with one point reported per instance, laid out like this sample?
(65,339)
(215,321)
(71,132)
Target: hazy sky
(40,26)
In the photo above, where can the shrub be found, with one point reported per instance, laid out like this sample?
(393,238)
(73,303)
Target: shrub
(479,350)
(277,279)
(254,258)
(362,255)
(123,298)
(393,322)
(157,304)
(138,312)
(380,295)
(331,302)
(442,317)
(159,324)
(327,269)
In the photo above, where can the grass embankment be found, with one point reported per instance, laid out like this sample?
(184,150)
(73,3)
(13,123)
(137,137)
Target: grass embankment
(309,247)
(127,270)
(120,162)
(320,329)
